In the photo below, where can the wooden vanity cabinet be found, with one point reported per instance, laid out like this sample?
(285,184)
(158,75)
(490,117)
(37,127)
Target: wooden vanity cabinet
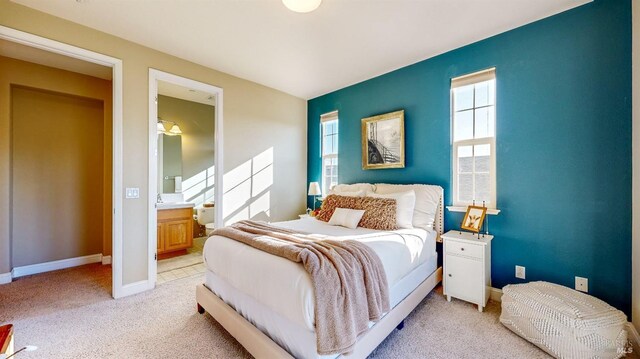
(175,229)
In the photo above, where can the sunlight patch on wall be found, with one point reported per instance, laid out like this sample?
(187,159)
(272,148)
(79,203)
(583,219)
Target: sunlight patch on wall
(246,189)
(261,205)
(200,188)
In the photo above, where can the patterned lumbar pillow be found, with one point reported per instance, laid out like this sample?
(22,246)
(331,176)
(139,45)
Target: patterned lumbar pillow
(332,202)
(380,213)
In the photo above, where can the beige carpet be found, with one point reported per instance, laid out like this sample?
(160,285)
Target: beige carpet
(69,314)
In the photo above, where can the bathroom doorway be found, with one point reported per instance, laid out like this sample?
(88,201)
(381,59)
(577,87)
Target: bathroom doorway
(185,126)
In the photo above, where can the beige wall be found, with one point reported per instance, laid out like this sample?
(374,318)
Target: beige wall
(196,121)
(257,120)
(635,257)
(57,176)
(16,72)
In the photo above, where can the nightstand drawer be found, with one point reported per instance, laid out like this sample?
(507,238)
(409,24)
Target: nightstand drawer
(465,249)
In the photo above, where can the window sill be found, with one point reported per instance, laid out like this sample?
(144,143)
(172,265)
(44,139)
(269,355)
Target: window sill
(463,209)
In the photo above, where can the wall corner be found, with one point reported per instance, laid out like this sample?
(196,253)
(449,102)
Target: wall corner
(635,196)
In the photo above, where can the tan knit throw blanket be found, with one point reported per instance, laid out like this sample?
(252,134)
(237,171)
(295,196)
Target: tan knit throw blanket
(350,286)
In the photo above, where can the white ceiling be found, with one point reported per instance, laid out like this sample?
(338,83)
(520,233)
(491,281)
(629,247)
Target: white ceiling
(184,93)
(18,51)
(341,43)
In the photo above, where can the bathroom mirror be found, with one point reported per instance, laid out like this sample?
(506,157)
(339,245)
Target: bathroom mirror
(169,163)
(186,145)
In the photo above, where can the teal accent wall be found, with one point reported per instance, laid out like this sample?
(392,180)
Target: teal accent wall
(563,143)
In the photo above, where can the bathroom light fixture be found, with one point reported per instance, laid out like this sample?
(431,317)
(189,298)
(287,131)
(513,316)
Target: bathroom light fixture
(302,6)
(174,131)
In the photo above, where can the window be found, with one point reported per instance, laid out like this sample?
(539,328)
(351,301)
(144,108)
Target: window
(329,123)
(473,128)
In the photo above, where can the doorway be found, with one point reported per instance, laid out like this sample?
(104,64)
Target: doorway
(185,172)
(115,212)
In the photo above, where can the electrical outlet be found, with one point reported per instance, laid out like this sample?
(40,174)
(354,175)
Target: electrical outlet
(582,284)
(520,272)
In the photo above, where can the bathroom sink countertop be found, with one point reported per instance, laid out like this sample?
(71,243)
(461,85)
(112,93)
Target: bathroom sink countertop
(174,205)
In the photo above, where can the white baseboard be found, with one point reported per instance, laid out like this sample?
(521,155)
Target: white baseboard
(5,278)
(106,260)
(634,338)
(55,265)
(495,294)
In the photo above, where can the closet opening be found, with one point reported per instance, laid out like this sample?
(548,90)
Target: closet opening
(57,166)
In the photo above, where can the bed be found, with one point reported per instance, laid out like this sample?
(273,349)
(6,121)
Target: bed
(271,312)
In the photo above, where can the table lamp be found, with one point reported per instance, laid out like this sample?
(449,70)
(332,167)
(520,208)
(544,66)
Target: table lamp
(314,190)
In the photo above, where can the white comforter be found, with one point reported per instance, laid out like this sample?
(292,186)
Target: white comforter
(271,280)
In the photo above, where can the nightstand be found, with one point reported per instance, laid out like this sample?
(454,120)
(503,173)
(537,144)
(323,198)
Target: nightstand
(467,267)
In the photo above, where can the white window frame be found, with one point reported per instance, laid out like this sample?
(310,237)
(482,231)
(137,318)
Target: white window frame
(466,80)
(326,118)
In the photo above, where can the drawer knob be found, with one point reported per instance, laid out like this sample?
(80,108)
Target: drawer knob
(450,275)
(462,248)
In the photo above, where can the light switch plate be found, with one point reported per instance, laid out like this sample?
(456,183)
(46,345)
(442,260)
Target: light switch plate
(582,284)
(521,272)
(132,192)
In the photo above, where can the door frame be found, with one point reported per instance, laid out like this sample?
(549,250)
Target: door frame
(61,48)
(154,77)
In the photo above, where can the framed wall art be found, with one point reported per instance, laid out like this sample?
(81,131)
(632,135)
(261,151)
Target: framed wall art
(383,141)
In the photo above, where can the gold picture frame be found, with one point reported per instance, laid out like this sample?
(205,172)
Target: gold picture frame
(474,218)
(383,141)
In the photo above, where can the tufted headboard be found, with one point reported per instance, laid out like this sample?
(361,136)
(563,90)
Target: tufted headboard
(439,222)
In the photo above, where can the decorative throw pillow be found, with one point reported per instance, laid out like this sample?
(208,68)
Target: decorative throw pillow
(427,200)
(346,217)
(332,202)
(380,213)
(405,203)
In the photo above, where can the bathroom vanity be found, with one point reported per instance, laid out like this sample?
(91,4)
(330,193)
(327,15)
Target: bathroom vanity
(175,228)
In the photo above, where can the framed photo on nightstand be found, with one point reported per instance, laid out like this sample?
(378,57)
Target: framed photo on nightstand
(474,218)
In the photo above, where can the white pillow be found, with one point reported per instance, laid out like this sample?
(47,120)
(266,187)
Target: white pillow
(346,217)
(405,204)
(365,187)
(427,201)
(349,193)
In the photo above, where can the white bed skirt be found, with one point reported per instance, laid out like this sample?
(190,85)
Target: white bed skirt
(298,340)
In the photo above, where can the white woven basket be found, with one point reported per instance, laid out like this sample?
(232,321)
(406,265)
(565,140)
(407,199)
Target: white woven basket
(563,322)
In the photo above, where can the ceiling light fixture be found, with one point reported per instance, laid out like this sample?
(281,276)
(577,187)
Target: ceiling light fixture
(302,6)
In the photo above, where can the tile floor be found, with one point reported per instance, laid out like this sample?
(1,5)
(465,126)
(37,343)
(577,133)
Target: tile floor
(187,265)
